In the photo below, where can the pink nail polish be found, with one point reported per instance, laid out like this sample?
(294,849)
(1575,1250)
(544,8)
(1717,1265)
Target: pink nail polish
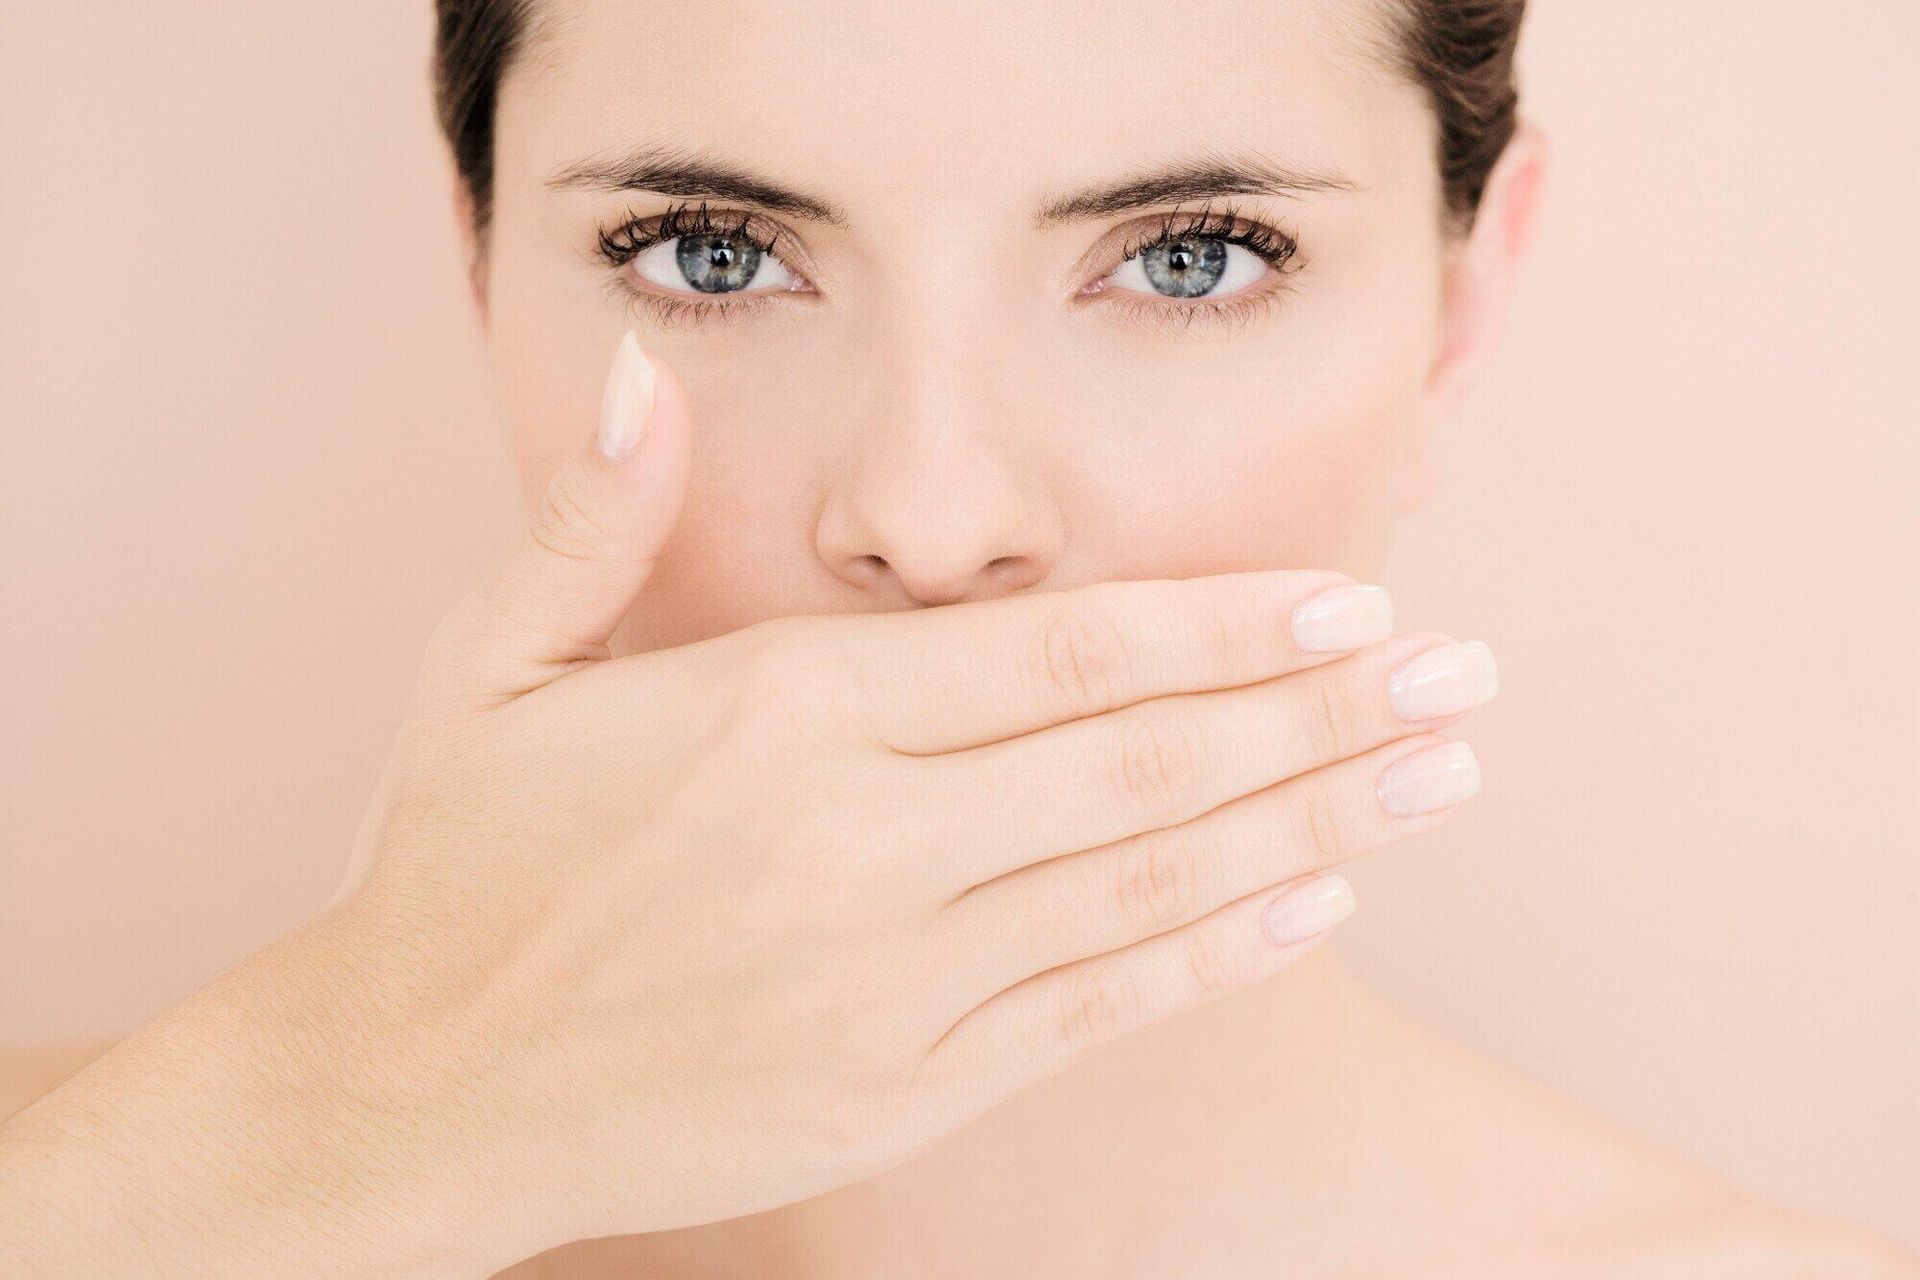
(1307,909)
(1345,617)
(627,402)
(1428,779)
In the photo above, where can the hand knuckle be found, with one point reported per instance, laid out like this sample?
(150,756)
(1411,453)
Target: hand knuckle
(1156,769)
(1224,639)
(1325,833)
(1086,657)
(1160,880)
(1101,1006)
(1330,716)
(770,662)
(1212,968)
(779,682)
(568,525)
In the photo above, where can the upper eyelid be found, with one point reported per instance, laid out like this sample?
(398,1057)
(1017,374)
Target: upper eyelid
(1202,215)
(1207,219)
(652,226)
(1146,230)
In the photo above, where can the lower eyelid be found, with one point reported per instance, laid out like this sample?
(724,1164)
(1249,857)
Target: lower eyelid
(1164,315)
(663,310)
(669,311)
(1155,312)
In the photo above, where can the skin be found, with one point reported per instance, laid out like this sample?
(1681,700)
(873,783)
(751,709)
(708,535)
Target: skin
(946,420)
(985,436)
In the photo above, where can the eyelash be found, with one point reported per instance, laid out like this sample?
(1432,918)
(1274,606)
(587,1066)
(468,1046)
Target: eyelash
(1278,249)
(622,243)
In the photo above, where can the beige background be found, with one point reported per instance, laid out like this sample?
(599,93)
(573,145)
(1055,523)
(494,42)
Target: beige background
(249,457)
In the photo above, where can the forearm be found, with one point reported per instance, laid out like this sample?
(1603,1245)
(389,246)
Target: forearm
(243,1132)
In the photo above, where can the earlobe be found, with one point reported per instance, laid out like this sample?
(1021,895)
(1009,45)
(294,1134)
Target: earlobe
(1415,481)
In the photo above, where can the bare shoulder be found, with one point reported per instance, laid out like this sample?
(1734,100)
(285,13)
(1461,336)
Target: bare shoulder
(1742,1237)
(1785,1243)
(29,1073)
(1666,1217)
(1558,1189)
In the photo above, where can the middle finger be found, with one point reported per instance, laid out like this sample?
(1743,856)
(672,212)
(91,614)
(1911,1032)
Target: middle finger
(1165,761)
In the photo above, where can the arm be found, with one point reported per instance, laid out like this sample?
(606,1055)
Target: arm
(239,1133)
(626,922)
(29,1074)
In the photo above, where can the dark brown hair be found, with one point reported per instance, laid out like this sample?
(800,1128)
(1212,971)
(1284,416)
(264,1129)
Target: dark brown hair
(1459,51)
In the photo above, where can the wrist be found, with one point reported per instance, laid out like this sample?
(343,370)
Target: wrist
(251,1129)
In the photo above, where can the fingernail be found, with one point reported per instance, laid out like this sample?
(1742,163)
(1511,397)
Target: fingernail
(1308,909)
(1343,618)
(1428,779)
(1443,680)
(627,402)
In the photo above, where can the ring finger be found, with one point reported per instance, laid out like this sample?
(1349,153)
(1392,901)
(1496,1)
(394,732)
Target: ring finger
(1102,899)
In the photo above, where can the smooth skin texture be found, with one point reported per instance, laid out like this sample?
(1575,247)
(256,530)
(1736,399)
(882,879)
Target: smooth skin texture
(595,876)
(564,963)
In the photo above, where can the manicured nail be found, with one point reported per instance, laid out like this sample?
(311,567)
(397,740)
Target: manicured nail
(627,402)
(1307,909)
(1443,680)
(1343,618)
(1428,779)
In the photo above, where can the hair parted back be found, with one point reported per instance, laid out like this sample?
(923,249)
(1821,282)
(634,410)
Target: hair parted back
(1461,52)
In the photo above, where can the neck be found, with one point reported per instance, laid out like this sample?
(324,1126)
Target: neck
(1225,1111)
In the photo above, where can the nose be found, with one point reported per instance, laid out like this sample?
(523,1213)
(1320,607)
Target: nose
(938,495)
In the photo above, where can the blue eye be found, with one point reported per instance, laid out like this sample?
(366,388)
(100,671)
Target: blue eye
(1189,267)
(711,263)
(690,252)
(1211,258)
(716,264)
(694,261)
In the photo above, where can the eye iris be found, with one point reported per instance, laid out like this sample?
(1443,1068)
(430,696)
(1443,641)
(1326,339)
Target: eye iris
(1185,268)
(717,263)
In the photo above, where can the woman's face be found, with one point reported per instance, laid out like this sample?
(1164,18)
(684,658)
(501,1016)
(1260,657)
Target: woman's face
(943,382)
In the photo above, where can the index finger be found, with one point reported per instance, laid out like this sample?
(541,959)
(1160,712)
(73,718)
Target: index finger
(963,675)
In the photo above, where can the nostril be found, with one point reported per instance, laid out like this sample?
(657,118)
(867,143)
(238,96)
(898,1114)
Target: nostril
(871,570)
(1014,573)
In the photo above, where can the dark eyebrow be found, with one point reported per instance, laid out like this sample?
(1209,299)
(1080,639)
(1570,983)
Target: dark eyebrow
(679,172)
(1197,179)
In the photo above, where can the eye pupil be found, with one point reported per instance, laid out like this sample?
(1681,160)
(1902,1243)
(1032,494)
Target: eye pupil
(716,263)
(1185,268)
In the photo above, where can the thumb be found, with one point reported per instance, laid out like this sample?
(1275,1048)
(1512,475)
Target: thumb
(554,601)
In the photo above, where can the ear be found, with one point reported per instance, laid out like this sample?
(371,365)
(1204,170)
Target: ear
(1477,282)
(472,253)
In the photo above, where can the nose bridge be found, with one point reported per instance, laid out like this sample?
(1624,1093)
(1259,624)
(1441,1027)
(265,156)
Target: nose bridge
(938,494)
(942,383)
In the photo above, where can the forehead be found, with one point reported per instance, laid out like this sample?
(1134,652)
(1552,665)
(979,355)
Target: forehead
(949,98)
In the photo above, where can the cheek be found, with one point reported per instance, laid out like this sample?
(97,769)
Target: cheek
(1293,471)
(1280,447)
(1319,494)
(743,549)
(747,515)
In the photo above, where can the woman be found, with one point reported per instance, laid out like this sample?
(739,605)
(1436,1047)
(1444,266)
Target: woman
(729,906)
